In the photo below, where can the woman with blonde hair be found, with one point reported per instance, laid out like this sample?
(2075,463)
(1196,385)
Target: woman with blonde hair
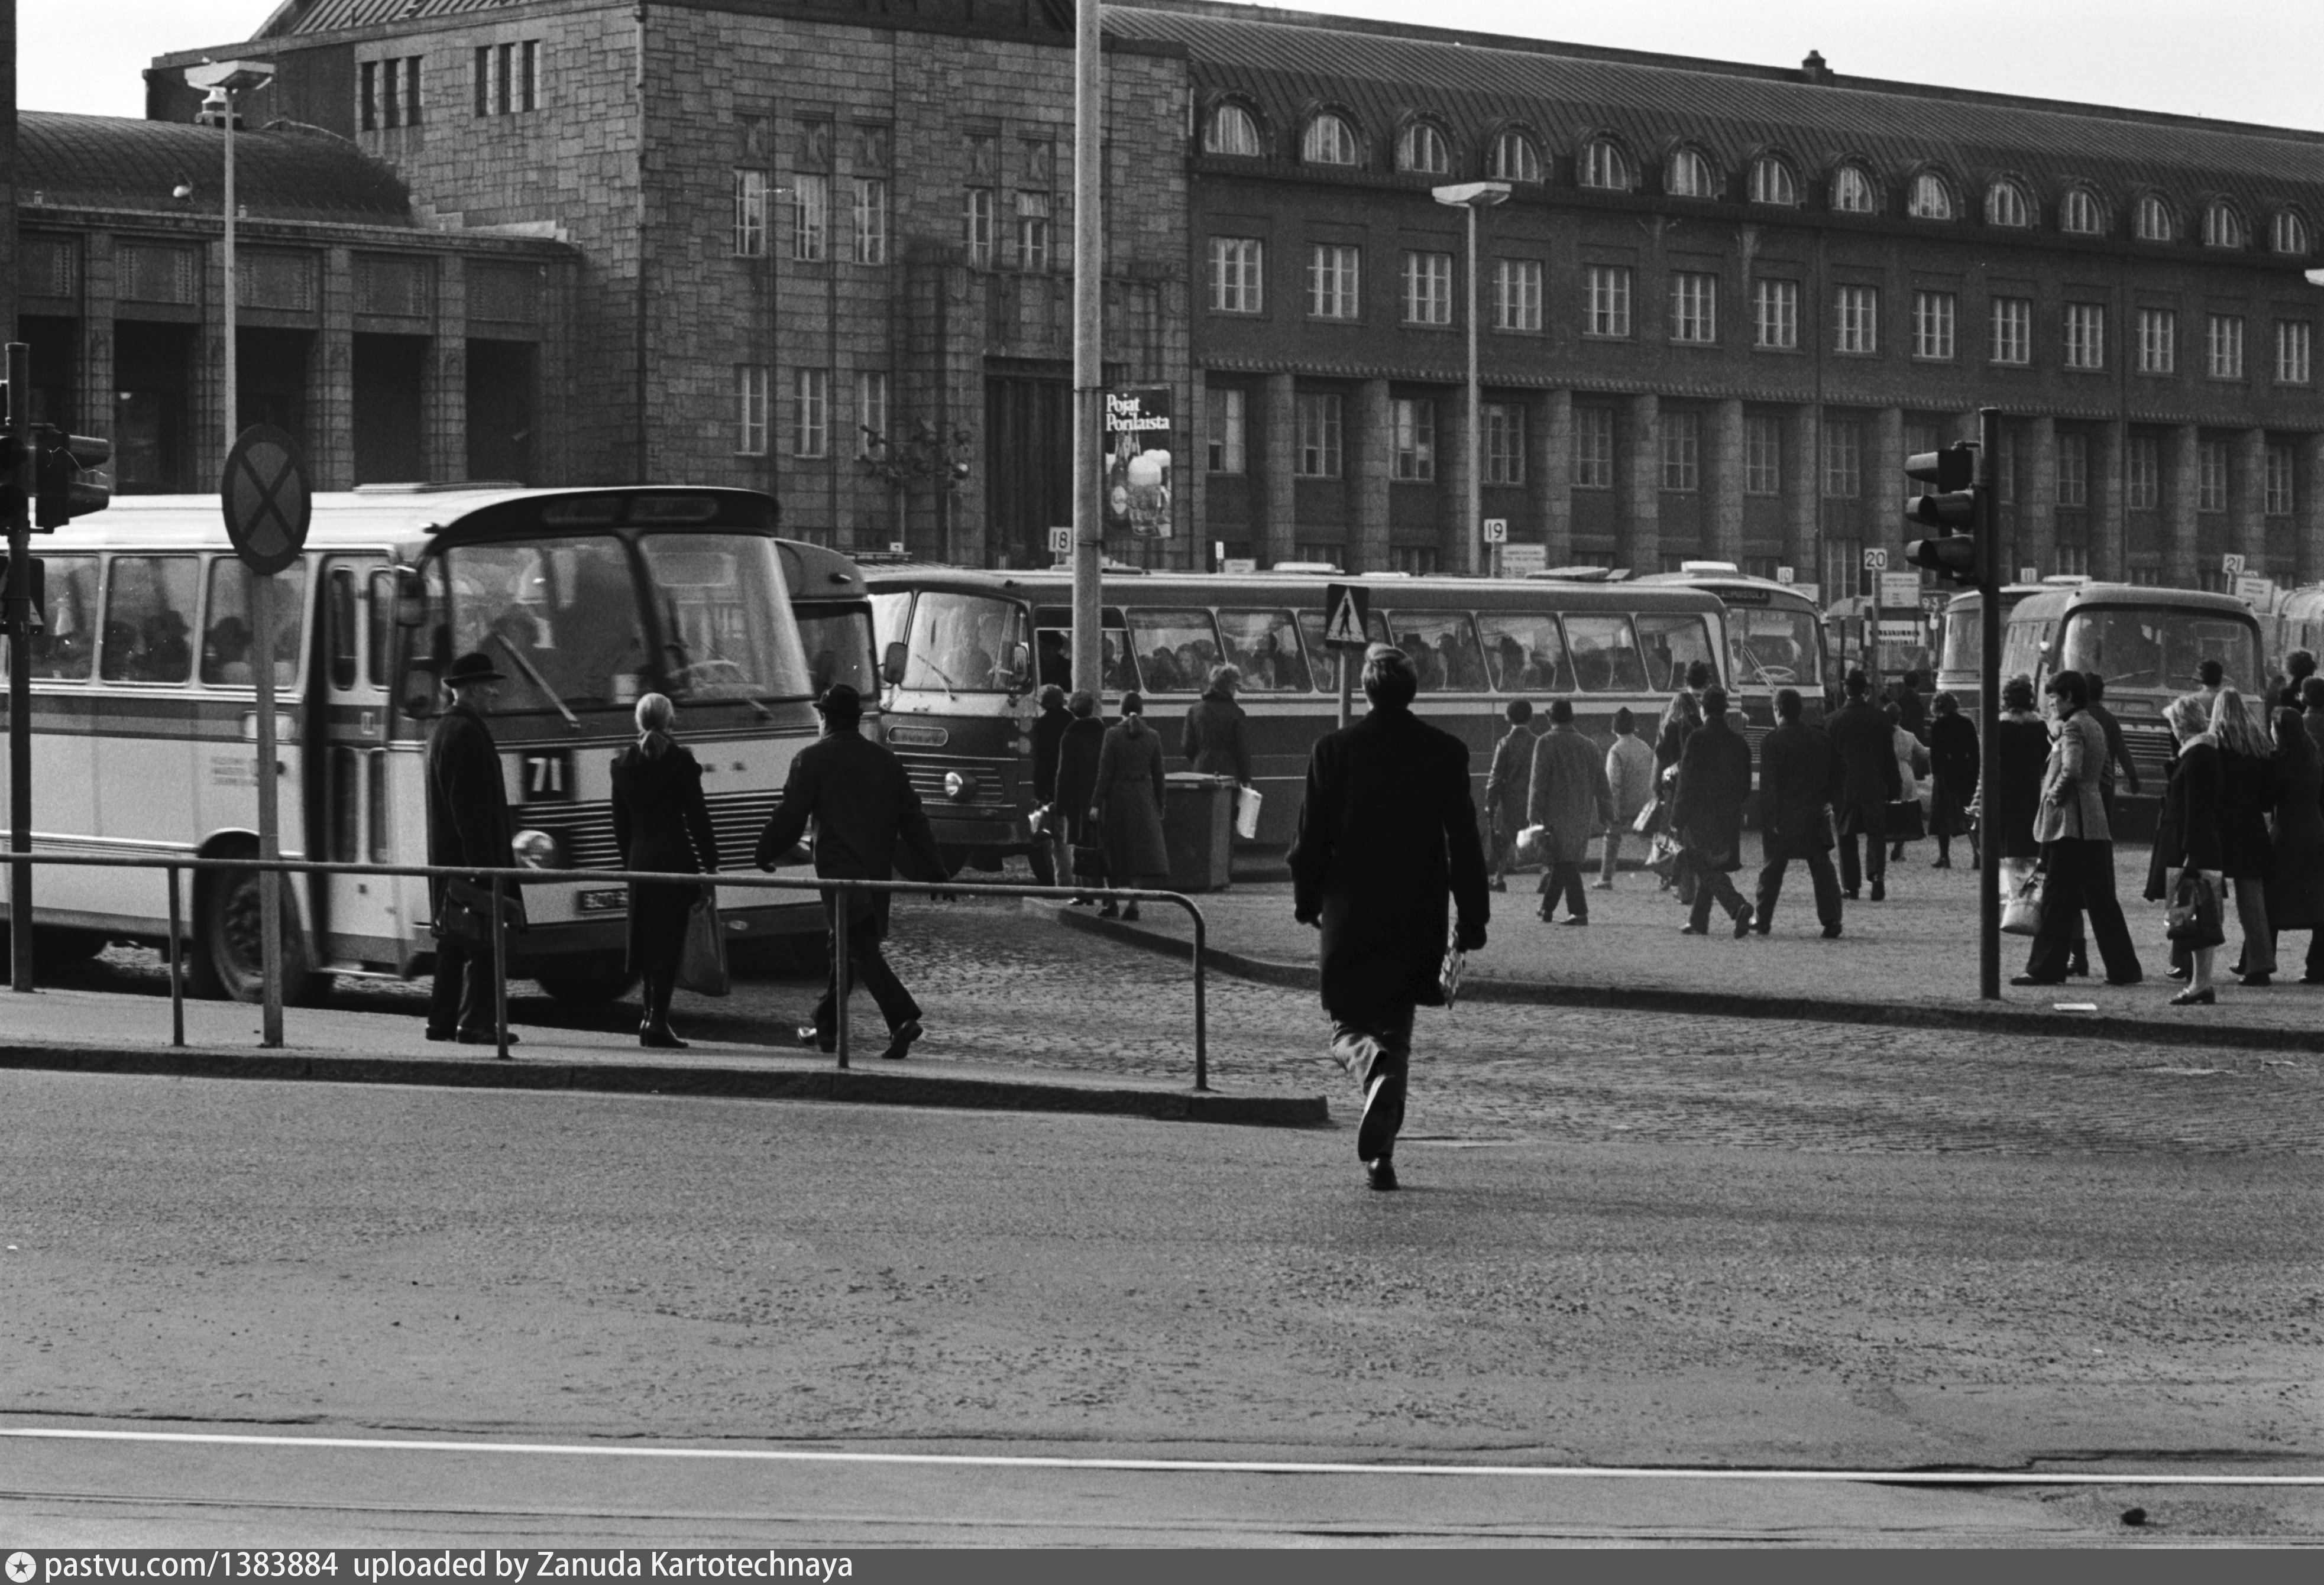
(2188,838)
(660,823)
(2246,798)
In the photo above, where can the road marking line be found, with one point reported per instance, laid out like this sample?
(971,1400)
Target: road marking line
(1160,1466)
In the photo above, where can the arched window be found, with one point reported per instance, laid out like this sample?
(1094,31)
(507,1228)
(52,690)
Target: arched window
(1515,158)
(1689,176)
(1932,198)
(1852,192)
(1604,165)
(1421,147)
(2222,226)
(1330,140)
(2289,233)
(2081,213)
(2005,205)
(1233,130)
(2155,222)
(1772,181)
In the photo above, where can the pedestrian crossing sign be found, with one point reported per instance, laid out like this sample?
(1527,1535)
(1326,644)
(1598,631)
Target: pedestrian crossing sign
(1347,611)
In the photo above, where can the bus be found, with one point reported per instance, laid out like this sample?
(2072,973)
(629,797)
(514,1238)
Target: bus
(1960,643)
(1775,640)
(1844,621)
(2295,620)
(963,651)
(832,606)
(144,714)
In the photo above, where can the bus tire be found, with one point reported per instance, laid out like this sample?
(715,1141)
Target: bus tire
(227,956)
(587,982)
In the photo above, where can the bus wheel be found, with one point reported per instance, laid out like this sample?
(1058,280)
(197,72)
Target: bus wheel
(227,949)
(586,982)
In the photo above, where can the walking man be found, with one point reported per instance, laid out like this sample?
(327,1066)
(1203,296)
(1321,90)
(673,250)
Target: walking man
(1508,786)
(2117,752)
(1869,783)
(1387,836)
(1714,778)
(1630,778)
(467,824)
(1799,777)
(1569,801)
(865,809)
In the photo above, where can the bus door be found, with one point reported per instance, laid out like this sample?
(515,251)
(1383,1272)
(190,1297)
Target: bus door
(355,915)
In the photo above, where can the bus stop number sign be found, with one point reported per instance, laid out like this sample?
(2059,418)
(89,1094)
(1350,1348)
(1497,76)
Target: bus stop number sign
(264,494)
(1347,616)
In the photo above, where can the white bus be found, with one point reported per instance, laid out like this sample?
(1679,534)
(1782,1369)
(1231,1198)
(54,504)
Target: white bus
(145,713)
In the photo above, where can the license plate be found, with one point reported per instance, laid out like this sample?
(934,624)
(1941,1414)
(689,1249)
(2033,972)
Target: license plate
(617,901)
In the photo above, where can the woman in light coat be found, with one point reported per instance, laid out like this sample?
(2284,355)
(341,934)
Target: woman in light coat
(1129,801)
(1907,749)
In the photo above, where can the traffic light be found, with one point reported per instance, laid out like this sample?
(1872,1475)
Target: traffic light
(66,481)
(1950,510)
(38,591)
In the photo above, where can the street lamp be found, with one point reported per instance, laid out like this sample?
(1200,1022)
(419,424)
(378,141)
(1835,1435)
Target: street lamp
(222,80)
(1472,196)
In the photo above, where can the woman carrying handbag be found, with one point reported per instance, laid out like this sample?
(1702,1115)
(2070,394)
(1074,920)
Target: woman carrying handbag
(1079,748)
(2188,855)
(660,823)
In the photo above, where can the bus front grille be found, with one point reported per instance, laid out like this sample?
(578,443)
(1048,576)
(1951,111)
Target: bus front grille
(586,830)
(991,785)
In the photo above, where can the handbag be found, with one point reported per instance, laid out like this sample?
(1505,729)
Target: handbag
(1663,854)
(1455,963)
(1530,843)
(2193,917)
(1904,821)
(1088,858)
(467,912)
(702,960)
(2021,907)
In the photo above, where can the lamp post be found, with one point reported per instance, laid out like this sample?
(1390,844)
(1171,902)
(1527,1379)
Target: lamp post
(222,80)
(1472,196)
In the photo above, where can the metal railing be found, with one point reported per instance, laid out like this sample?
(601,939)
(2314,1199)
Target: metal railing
(831,889)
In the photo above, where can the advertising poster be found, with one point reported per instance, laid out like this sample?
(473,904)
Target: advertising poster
(1138,461)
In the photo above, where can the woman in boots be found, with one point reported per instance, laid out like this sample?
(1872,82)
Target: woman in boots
(660,823)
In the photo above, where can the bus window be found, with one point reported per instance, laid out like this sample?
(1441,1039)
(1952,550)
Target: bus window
(1121,676)
(838,645)
(379,625)
(889,613)
(727,628)
(1327,673)
(961,643)
(2023,645)
(1264,646)
(1672,642)
(1444,649)
(1774,647)
(62,652)
(1175,650)
(2151,649)
(148,637)
(1606,656)
(559,616)
(1525,652)
(344,630)
(1964,642)
(227,631)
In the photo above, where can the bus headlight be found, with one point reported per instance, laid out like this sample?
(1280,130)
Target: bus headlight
(957,786)
(537,849)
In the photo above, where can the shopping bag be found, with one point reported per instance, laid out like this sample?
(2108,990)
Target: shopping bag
(702,962)
(1246,812)
(2193,917)
(1456,963)
(1532,845)
(2021,904)
(1904,821)
(1663,856)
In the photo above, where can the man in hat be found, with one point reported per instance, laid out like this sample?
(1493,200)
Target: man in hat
(467,824)
(863,808)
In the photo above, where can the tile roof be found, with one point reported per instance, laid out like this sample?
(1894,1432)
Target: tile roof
(115,162)
(319,16)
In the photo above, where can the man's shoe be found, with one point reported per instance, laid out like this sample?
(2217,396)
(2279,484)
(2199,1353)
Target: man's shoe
(2077,968)
(2190,997)
(2034,980)
(1577,918)
(483,1037)
(1743,923)
(2177,973)
(2126,980)
(901,1038)
(1501,885)
(1695,930)
(1602,885)
(1847,896)
(2311,979)
(2254,980)
(815,1039)
(1380,1174)
(1383,1117)
(1547,916)
(1880,891)
(1940,863)
(443,1034)
(1831,933)
(658,1038)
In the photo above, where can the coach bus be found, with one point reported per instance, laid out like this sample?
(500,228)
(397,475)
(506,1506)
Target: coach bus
(960,651)
(1961,644)
(1775,640)
(144,712)
(2293,621)
(832,606)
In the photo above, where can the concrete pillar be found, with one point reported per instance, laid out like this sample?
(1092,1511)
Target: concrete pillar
(1460,545)
(2109,517)
(1884,484)
(2037,499)
(331,376)
(1372,441)
(1193,484)
(1550,478)
(444,393)
(2182,490)
(92,412)
(209,428)
(2248,501)
(2308,509)
(1639,480)
(1278,445)
(1723,480)
(1802,492)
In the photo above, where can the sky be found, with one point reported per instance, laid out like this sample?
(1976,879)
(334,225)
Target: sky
(2252,60)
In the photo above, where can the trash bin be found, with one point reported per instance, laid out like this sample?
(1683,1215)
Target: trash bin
(1198,829)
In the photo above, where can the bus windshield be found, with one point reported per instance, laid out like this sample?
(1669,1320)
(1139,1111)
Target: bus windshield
(1773,648)
(837,640)
(2135,647)
(1964,647)
(961,643)
(727,629)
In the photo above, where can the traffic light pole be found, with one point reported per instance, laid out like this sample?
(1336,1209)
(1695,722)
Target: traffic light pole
(20,664)
(1989,708)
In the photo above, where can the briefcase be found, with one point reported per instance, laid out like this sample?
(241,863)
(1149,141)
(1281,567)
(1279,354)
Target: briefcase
(466,914)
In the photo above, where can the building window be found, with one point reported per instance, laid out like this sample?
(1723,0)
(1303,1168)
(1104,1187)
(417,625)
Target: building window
(1931,199)
(2153,222)
(1689,176)
(1604,165)
(1235,275)
(387,93)
(871,410)
(1329,141)
(1428,288)
(750,409)
(2288,234)
(1033,232)
(1223,417)
(1419,561)
(1859,316)
(2074,470)
(2085,336)
(2013,330)
(2144,471)
(1515,159)
(1504,443)
(2005,466)
(1609,299)
(1934,314)
(1318,418)
(1775,314)
(1843,458)
(976,221)
(2158,341)
(2222,226)
(749,213)
(1333,279)
(1762,455)
(367,97)
(1694,306)
(2280,502)
(1414,422)
(1232,130)
(507,77)
(2211,488)
(2225,340)
(1772,183)
(870,219)
(1593,448)
(1421,147)
(1516,294)
(1843,568)
(810,216)
(1681,440)
(2080,214)
(2073,560)
(1852,191)
(2005,205)
(811,412)
(2292,337)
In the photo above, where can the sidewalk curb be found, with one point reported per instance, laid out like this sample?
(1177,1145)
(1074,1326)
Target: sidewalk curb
(875,1087)
(1979,1016)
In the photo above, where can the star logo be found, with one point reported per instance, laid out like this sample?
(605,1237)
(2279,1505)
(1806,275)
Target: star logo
(21,1568)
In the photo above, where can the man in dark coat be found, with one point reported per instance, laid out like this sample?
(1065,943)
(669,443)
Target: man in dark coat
(467,824)
(1386,832)
(2298,667)
(1714,778)
(2118,757)
(1869,784)
(1508,786)
(865,809)
(1049,737)
(1912,710)
(1799,779)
